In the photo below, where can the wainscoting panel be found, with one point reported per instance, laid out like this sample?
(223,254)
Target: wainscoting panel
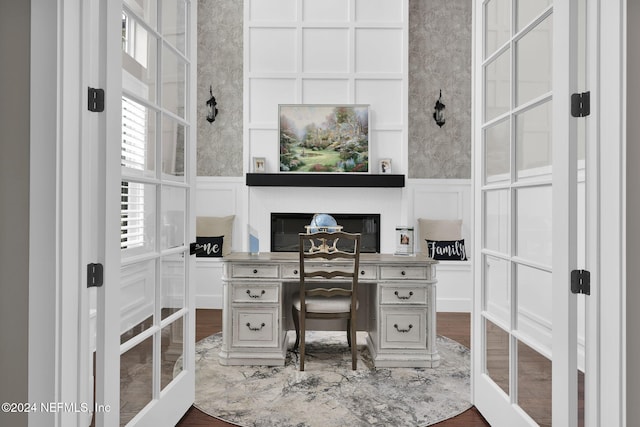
(218,197)
(221,197)
(455,286)
(446,199)
(208,283)
(439,199)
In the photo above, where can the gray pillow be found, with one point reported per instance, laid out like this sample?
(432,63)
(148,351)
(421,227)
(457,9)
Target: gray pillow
(438,229)
(214,226)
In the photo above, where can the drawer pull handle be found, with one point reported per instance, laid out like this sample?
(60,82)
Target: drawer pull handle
(295,271)
(404,273)
(259,328)
(403,296)
(255,271)
(362,273)
(403,331)
(255,296)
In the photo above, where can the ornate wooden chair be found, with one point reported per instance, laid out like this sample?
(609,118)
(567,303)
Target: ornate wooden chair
(316,299)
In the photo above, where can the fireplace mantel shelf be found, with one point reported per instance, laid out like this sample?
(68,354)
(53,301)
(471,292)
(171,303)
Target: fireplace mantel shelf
(324,180)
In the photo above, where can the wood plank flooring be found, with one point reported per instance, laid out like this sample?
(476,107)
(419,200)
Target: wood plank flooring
(456,326)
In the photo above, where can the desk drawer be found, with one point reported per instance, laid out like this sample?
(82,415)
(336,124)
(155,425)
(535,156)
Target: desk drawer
(403,294)
(255,327)
(258,271)
(367,272)
(290,271)
(256,293)
(403,272)
(402,328)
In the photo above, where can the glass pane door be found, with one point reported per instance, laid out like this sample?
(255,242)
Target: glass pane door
(155,308)
(518,182)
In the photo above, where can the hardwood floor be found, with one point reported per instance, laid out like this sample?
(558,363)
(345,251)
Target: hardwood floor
(456,326)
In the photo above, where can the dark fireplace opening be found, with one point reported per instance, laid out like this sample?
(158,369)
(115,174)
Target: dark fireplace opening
(285,228)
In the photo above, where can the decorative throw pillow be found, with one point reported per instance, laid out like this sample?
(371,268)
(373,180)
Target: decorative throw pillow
(446,250)
(213,226)
(438,229)
(209,247)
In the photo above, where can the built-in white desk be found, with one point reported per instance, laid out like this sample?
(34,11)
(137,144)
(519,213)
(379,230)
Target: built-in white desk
(397,308)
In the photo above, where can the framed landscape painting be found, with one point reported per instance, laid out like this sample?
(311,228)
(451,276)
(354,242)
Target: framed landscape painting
(324,138)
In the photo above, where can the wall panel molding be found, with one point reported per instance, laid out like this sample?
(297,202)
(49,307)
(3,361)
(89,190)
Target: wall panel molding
(329,52)
(419,198)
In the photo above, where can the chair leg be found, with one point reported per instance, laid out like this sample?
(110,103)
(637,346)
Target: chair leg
(302,339)
(296,322)
(349,332)
(354,346)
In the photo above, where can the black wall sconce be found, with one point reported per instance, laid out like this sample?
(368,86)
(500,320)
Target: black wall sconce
(438,114)
(212,111)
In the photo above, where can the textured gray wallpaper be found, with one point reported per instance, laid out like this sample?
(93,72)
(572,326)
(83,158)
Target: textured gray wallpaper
(220,65)
(439,58)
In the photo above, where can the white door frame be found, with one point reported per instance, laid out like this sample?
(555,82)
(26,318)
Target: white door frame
(611,132)
(55,277)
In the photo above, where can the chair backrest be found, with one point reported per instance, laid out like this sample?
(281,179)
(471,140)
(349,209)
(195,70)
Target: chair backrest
(324,247)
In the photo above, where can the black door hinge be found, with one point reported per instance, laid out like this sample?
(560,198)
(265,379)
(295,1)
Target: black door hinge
(581,104)
(95,275)
(581,282)
(96,100)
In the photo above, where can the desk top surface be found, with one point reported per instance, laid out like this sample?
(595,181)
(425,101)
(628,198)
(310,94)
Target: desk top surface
(365,258)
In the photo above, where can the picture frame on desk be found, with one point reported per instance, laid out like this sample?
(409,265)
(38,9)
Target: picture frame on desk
(404,240)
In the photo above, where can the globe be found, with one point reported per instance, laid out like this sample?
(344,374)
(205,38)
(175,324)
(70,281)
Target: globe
(323,220)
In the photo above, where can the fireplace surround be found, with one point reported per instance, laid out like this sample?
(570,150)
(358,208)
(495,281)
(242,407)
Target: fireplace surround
(285,228)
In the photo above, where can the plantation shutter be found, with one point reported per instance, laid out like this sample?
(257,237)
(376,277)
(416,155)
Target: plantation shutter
(132,156)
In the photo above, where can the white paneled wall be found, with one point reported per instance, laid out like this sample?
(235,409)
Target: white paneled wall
(330,52)
(446,199)
(218,197)
(436,199)
(326,52)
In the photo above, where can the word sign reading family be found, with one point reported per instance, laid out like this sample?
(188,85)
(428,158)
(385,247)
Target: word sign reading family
(446,250)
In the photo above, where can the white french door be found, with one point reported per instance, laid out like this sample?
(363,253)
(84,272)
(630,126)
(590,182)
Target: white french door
(525,334)
(146,308)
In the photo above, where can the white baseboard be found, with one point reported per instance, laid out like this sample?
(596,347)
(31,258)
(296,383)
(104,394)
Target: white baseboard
(209,301)
(454,305)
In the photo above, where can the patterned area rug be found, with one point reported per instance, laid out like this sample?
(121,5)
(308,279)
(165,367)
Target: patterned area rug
(328,393)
